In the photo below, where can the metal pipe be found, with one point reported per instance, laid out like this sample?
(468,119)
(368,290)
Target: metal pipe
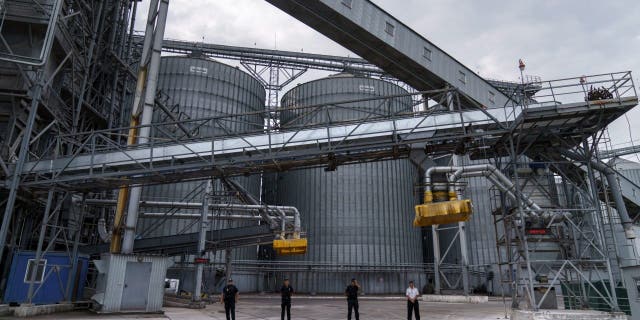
(614,186)
(196,205)
(251,200)
(123,194)
(487,170)
(105,236)
(159,215)
(428,193)
(494,180)
(146,117)
(281,210)
(492,170)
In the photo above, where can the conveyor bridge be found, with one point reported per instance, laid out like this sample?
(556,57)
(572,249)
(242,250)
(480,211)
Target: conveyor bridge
(101,163)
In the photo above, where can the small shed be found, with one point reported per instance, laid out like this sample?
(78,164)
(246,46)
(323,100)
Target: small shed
(50,284)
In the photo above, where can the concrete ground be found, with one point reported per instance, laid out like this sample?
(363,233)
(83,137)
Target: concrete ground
(314,308)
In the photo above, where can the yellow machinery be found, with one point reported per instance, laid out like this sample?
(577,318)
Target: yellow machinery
(444,212)
(286,247)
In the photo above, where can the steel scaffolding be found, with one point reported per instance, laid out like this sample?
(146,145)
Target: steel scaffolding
(73,76)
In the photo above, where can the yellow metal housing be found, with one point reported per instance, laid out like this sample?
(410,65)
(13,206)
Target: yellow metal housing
(290,246)
(442,212)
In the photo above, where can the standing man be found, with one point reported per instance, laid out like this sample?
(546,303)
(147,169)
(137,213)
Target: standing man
(286,291)
(352,298)
(229,297)
(412,301)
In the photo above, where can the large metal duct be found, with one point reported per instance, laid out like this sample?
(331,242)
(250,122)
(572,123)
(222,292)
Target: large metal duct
(199,88)
(361,214)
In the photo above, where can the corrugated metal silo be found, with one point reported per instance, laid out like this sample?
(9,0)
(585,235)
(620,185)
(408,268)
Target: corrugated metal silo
(361,214)
(202,88)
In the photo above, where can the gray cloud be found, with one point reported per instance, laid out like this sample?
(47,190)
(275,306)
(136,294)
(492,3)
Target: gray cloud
(557,39)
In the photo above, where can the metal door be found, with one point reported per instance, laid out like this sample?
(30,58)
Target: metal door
(136,286)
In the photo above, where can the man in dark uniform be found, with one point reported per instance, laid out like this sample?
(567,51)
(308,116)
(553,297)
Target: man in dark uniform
(229,297)
(286,291)
(352,298)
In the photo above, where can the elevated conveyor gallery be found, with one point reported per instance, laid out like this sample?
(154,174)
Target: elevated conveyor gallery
(383,40)
(283,150)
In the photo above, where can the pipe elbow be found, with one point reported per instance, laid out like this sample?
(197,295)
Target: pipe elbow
(105,235)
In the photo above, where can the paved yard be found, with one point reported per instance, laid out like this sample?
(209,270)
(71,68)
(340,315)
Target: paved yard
(316,308)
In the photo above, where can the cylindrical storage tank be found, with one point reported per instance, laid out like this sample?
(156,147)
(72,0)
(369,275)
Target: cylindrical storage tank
(198,88)
(338,88)
(358,218)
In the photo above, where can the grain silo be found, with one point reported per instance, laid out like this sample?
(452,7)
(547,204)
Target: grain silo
(358,218)
(199,88)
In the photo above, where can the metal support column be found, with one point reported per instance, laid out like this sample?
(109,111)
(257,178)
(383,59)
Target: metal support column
(436,258)
(227,264)
(521,233)
(123,194)
(72,278)
(204,226)
(462,230)
(147,115)
(35,94)
(465,257)
(599,220)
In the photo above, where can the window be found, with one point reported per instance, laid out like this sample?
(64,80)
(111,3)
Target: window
(427,53)
(347,3)
(462,77)
(389,28)
(492,97)
(39,273)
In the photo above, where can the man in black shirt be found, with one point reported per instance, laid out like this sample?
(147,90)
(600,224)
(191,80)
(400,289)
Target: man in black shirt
(286,291)
(352,298)
(229,297)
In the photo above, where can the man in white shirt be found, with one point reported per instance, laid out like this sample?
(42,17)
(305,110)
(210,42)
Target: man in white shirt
(412,301)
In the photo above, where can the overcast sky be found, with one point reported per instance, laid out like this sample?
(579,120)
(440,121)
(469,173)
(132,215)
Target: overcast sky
(556,38)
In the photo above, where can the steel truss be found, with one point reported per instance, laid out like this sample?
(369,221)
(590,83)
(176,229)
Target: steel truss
(100,161)
(76,81)
(585,236)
